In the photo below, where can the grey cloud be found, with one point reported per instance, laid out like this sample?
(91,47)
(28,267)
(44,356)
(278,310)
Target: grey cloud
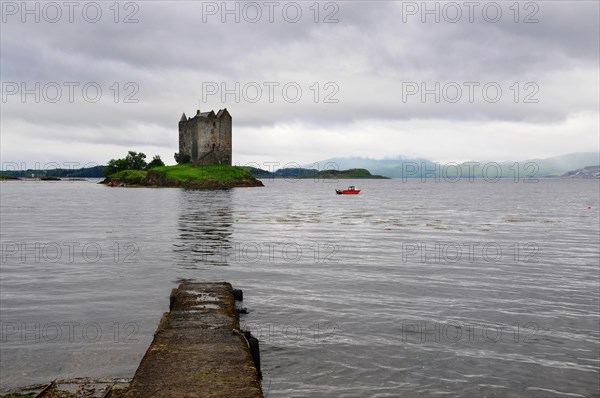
(171,52)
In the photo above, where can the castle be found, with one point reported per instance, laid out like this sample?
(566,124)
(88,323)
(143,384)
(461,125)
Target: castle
(206,138)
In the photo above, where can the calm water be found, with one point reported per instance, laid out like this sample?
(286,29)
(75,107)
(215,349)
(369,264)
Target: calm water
(410,289)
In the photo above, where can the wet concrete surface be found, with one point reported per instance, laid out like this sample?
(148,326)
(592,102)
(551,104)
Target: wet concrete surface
(198,350)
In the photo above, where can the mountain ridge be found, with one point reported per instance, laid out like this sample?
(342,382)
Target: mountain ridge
(406,167)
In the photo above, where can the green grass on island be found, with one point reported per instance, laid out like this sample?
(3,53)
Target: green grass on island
(188,176)
(184,172)
(129,175)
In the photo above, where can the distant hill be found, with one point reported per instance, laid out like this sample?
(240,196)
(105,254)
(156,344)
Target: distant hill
(87,172)
(420,167)
(586,172)
(313,173)
(389,167)
(564,163)
(373,165)
(292,172)
(350,173)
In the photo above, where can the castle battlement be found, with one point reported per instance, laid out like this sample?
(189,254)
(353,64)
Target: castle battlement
(206,137)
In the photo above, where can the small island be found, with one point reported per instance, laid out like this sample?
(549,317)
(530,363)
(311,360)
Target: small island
(185,176)
(203,160)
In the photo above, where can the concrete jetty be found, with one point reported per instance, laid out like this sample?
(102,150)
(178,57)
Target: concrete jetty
(198,349)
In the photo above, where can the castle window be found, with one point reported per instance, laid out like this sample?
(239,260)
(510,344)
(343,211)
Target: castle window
(214,124)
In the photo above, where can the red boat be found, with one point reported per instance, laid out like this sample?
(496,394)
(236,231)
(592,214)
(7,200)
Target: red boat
(350,191)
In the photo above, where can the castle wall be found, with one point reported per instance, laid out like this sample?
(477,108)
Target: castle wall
(186,132)
(225,130)
(206,138)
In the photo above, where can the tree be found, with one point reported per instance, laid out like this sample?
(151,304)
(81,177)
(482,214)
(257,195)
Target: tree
(114,166)
(155,162)
(182,159)
(133,161)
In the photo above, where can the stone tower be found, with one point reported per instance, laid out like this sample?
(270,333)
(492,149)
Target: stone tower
(206,137)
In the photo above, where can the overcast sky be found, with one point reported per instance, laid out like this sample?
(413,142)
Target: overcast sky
(305,81)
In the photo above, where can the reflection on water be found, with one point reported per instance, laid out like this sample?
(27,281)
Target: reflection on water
(205,228)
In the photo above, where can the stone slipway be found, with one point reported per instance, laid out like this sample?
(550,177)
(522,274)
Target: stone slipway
(197,350)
